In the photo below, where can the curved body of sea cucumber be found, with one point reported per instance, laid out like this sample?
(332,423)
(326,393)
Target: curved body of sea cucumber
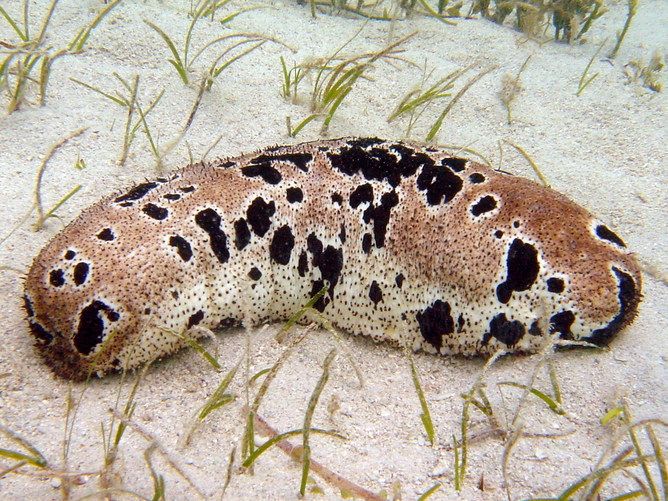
(415,246)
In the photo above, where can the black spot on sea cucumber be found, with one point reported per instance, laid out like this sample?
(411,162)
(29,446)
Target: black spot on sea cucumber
(322,301)
(498,233)
(137,192)
(364,142)
(187,189)
(183,248)
(70,254)
(90,331)
(366,243)
(337,199)
(259,215)
(605,233)
(299,159)
(485,204)
(209,221)
(509,332)
(125,204)
(342,233)
(411,160)
(561,322)
(399,280)
(302,267)
(435,322)
(42,336)
(456,164)
(172,197)
(227,164)
(460,323)
(314,246)
(330,263)
(155,211)
(195,318)
(281,245)
(360,156)
(362,194)
(294,195)
(374,164)
(628,293)
(522,270)
(440,183)
(477,178)
(555,285)
(242,234)
(254,274)
(57,278)
(27,305)
(380,216)
(534,330)
(228,323)
(268,173)
(516,224)
(106,234)
(81,273)
(375,293)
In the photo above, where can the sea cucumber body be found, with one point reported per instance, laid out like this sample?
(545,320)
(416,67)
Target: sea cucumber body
(415,246)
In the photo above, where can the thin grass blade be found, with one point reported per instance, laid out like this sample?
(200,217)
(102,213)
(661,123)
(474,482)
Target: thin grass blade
(23,36)
(551,402)
(308,417)
(60,202)
(218,398)
(426,495)
(192,343)
(300,313)
(439,121)
(19,456)
(283,436)
(303,124)
(80,40)
(425,416)
(118,100)
(34,456)
(176,61)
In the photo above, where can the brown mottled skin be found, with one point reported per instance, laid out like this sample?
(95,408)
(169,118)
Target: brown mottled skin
(432,264)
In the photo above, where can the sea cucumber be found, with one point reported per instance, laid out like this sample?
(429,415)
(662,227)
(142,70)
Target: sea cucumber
(415,246)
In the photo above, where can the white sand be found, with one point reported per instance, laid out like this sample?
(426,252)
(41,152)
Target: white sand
(606,149)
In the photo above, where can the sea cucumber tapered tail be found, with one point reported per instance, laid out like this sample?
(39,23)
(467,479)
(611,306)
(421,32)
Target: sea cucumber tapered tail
(415,246)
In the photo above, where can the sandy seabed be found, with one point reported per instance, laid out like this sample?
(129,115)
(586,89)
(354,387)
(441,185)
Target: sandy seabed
(605,149)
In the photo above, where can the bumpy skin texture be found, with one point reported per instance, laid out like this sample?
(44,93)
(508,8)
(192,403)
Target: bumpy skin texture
(416,247)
